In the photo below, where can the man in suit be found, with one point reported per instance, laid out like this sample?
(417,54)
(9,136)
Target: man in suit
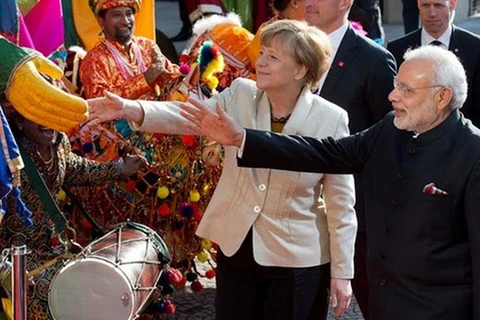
(359,80)
(421,167)
(437,16)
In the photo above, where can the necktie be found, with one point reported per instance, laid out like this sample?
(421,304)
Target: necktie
(436,43)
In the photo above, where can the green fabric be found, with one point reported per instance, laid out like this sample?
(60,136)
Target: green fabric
(26,5)
(12,56)
(244,8)
(71,36)
(40,187)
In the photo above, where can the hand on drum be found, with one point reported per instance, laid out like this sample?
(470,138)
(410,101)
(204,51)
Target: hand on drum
(131,164)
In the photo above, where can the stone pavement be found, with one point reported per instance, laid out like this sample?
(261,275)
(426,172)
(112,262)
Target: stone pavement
(200,305)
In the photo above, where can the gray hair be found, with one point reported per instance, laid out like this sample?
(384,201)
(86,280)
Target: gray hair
(447,71)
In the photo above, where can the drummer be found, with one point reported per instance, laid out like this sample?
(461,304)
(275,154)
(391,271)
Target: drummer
(51,153)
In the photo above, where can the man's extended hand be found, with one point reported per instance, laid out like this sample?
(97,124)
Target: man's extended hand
(217,125)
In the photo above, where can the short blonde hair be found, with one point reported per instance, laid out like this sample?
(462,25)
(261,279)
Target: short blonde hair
(308,46)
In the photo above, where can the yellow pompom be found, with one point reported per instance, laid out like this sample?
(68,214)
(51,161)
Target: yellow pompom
(202,256)
(206,244)
(206,189)
(194,196)
(61,195)
(212,83)
(162,192)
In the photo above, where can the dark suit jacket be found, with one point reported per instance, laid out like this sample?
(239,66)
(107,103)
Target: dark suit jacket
(424,249)
(466,46)
(360,80)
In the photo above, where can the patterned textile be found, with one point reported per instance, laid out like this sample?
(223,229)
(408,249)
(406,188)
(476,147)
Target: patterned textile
(170,195)
(45,26)
(100,71)
(66,168)
(233,42)
(98,5)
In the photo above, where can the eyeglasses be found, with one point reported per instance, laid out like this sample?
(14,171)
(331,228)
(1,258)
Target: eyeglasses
(406,90)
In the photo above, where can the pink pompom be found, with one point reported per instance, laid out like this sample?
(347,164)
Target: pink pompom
(184,69)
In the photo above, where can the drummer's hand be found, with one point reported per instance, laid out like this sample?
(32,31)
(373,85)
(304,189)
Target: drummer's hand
(131,164)
(340,295)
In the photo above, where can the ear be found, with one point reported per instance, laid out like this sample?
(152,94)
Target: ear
(443,98)
(101,22)
(301,72)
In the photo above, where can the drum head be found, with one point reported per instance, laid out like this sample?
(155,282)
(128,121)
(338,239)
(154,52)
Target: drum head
(90,289)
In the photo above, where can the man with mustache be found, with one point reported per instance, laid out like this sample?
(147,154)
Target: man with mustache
(122,63)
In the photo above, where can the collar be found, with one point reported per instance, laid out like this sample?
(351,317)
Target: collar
(441,129)
(336,37)
(426,38)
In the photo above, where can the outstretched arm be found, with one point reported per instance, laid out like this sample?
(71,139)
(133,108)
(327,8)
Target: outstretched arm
(112,107)
(217,124)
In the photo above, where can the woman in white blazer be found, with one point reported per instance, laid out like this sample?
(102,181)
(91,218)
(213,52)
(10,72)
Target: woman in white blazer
(285,238)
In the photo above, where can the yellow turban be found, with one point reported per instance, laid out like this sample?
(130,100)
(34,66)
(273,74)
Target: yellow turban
(97,5)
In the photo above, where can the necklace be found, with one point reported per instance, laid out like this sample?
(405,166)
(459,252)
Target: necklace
(123,64)
(281,119)
(48,163)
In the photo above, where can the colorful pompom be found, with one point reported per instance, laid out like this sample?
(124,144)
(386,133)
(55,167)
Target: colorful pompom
(196,286)
(186,210)
(163,210)
(194,196)
(163,192)
(210,274)
(188,141)
(61,195)
(202,256)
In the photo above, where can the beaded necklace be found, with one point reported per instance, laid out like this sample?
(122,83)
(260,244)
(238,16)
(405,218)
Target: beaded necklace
(126,68)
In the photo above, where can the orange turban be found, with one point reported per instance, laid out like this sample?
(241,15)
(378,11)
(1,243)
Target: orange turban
(234,40)
(97,5)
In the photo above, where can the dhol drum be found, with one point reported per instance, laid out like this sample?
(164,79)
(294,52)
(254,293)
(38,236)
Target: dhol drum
(114,277)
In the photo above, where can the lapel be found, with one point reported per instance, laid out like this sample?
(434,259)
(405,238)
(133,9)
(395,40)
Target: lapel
(300,112)
(263,111)
(454,45)
(340,63)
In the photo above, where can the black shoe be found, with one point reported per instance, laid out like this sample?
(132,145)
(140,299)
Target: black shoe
(184,34)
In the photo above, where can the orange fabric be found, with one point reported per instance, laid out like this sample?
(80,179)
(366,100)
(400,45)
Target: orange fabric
(254,47)
(100,72)
(88,28)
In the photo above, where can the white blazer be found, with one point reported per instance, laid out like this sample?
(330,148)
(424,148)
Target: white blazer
(291,228)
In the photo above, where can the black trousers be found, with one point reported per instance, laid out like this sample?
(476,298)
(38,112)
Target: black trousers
(247,290)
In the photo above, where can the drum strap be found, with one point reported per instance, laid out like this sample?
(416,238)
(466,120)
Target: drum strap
(40,187)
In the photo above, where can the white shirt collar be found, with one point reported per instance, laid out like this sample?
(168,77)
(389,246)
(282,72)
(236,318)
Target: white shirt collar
(336,36)
(444,38)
